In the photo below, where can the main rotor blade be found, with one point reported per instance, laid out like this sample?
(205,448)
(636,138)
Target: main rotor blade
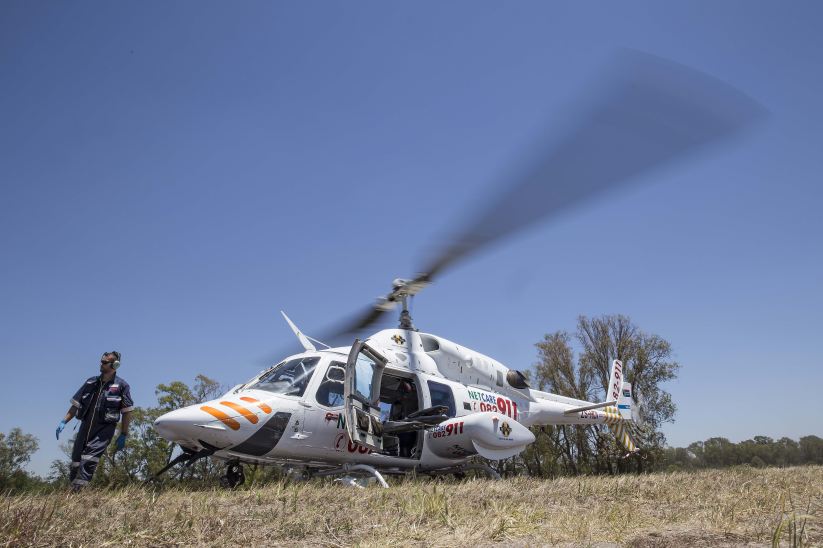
(342,332)
(649,112)
(646,113)
(368,317)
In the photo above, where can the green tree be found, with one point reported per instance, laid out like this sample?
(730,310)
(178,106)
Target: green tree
(811,449)
(59,473)
(648,365)
(543,457)
(557,372)
(16,449)
(719,452)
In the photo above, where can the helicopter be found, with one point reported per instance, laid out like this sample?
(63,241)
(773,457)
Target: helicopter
(403,400)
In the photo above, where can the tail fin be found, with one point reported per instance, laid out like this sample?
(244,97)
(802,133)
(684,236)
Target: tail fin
(620,393)
(612,391)
(615,381)
(625,402)
(621,429)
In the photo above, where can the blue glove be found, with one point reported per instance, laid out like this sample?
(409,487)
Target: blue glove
(60,428)
(120,443)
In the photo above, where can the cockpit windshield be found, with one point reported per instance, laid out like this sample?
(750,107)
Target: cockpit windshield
(288,378)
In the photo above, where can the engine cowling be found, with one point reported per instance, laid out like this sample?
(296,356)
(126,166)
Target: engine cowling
(491,435)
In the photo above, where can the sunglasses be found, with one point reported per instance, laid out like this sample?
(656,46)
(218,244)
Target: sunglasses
(107,362)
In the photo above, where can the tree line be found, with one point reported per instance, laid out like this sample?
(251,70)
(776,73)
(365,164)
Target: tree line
(571,364)
(759,451)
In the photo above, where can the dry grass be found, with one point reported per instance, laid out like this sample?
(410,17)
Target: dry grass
(709,508)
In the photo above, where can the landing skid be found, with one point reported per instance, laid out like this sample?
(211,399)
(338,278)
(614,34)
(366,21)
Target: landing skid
(350,479)
(460,471)
(358,475)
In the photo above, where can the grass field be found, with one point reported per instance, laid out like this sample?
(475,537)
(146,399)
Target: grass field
(743,506)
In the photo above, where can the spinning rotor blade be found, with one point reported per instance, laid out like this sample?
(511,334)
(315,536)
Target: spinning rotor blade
(647,113)
(368,317)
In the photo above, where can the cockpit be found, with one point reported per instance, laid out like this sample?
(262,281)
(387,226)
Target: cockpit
(289,378)
(398,405)
(330,391)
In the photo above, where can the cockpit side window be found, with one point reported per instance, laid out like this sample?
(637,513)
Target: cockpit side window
(330,392)
(442,394)
(289,378)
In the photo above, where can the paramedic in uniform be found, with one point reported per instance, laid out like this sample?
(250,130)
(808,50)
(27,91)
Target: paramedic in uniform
(98,406)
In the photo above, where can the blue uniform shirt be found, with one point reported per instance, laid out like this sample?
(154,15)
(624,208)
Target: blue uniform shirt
(102,402)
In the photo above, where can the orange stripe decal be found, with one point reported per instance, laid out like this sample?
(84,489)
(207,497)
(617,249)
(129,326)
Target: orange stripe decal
(248,415)
(262,406)
(225,419)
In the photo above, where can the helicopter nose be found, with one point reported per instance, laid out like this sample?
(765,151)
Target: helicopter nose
(178,425)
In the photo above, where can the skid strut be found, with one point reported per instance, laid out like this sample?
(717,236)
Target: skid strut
(346,468)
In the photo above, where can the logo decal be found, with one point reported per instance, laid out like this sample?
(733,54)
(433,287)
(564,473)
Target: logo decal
(493,403)
(398,339)
(506,429)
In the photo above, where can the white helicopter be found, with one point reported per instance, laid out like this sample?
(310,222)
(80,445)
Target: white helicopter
(400,400)
(403,400)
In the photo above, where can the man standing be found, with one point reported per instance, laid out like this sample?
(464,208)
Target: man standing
(98,405)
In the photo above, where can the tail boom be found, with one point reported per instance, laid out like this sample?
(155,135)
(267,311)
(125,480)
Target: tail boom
(616,412)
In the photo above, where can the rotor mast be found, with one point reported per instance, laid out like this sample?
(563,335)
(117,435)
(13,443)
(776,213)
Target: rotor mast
(401,291)
(405,316)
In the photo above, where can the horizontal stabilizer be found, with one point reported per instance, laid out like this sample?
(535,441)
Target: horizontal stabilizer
(588,407)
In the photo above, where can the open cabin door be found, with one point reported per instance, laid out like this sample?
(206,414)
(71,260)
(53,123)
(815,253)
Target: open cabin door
(364,371)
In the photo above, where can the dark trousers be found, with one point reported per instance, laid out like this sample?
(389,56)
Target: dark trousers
(89,445)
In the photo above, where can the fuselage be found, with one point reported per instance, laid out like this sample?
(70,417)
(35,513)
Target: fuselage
(293,412)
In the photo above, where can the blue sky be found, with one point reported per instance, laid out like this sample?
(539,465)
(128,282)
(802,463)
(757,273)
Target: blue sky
(173,174)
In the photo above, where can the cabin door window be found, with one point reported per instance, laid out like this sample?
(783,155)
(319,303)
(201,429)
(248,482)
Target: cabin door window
(364,371)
